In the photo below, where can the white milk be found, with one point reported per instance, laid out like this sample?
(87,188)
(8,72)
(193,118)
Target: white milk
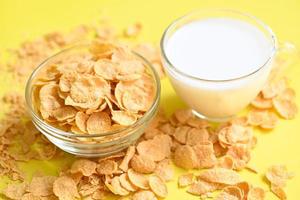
(218,49)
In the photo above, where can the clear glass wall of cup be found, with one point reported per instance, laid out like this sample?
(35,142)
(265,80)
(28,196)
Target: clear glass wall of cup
(218,100)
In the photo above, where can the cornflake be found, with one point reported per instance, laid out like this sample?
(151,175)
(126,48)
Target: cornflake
(278,175)
(256,193)
(125,183)
(137,179)
(158,186)
(164,170)
(30,196)
(201,187)
(65,188)
(14,191)
(279,192)
(185,180)
(107,167)
(144,195)
(261,103)
(133,30)
(272,89)
(129,155)
(230,193)
(117,187)
(185,157)
(142,164)
(84,166)
(226,162)
(157,148)
(220,175)
(240,154)
(285,105)
(205,155)
(42,186)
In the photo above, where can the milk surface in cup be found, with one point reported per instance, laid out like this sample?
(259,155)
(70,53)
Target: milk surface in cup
(225,56)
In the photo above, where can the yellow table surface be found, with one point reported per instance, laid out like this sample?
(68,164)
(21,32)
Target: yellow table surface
(21,20)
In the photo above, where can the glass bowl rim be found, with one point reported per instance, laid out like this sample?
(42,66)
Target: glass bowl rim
(171,67)
(35,116)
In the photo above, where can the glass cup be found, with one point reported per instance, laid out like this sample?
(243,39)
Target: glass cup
(89,145)
(218,100)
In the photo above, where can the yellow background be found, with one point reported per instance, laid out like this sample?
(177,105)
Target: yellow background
(21,20)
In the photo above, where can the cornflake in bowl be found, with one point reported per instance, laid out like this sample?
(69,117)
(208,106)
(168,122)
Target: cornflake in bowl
(93,99)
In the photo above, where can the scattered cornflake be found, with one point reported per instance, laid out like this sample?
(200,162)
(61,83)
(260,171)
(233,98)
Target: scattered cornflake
(240,154)
(150,133)
(256,193)
(196,122)
(30,196)
(226,162)
(185,180)
(65,188)
(183,115)
(201,187)
(278,175)
(117,188)
(142,164)
(196,136)
(99,195)
(15,191)
(272,89)
(269,121)
(279,192)
(261,103)
(180,134)
(42,186)
(231,193)
(285,105)
(245,187)
(107,167)
(133,30)
(129,154)
(221,176)
(164,170)
(185,157)
(235,134)
(125,183)
(157,148)
(205,155)
(158,186)
(144,195)
(137,179)
(84,166)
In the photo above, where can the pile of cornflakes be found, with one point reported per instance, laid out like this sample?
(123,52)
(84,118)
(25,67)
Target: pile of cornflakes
(104,89)
(75,97)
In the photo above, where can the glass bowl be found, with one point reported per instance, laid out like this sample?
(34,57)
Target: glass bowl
(90,145)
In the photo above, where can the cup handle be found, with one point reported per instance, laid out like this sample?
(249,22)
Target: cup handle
(287,55)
